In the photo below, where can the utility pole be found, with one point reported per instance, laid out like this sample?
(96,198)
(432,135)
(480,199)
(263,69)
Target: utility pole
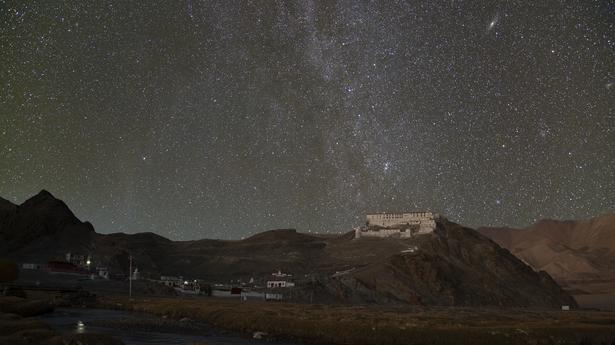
(130,277)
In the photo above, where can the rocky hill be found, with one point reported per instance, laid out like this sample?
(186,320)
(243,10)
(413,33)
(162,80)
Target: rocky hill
(42,226)
(452,266)
(458,266)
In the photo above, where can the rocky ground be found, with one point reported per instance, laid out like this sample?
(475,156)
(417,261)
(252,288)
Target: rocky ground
(371,324)
(18,328)
(156,324)
(322,324)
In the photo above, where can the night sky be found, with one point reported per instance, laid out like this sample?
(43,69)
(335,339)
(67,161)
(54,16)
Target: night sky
(219,119)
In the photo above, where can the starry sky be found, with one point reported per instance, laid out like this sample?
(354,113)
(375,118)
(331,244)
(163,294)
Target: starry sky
(217,119)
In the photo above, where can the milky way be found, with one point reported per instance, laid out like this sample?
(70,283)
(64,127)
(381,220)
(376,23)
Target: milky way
(198,119)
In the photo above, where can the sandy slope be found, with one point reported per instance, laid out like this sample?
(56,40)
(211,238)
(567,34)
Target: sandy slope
(578,254)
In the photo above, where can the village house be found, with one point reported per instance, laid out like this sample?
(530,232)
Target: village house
(63,267)
(172,281)
(271,284)
(79,260)
(190,287)
(402,225)
(274,297)
(280,280)
(103,272)
(30,266)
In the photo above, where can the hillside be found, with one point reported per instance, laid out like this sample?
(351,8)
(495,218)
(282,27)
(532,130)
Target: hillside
(580,255)
(42,226)
(568,250)
(458,266)
(453,266)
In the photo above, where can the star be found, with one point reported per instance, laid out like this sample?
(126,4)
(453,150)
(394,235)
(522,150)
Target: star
(493,23)
(243,113)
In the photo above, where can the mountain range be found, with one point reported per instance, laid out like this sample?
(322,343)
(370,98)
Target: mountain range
(453,266)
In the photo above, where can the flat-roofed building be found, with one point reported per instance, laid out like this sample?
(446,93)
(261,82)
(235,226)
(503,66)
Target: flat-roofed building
(402,225)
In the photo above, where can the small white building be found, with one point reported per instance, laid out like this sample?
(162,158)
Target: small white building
(280,280)
(271,284)
(274,297)
(28,266)
(172,281)
(189,287)
(403,225)
(103,272)
(136,275)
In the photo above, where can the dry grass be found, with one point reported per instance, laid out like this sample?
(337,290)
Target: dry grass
(386,325)
(24,307)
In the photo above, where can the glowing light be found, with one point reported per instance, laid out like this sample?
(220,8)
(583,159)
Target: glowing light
(493,23)
(387,166)
(80,327)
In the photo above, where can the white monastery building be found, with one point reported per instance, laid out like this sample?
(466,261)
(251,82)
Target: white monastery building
(403,225)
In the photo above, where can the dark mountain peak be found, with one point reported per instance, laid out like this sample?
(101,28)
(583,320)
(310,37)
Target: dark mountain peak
(7,209)
(279,235)
(4,201)
(45,193)
(44,203)
(88,226)
(139,237)
(6,205)
(40,197)
(39,221)
(152,236)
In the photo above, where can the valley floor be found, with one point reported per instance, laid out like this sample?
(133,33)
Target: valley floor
(337,324)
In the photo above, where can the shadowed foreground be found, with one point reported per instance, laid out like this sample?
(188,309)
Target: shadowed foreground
(386,325)
(17,327)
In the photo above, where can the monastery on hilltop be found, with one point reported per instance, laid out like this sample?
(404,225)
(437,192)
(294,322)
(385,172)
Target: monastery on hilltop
(402,225)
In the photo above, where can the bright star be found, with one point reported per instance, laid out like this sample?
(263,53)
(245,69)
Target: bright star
(493,22)
(387,165)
